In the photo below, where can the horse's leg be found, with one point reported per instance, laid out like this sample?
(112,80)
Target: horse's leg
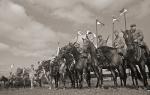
(73,78)
(88,77)
(76,78)
(148,66)
(96,71)
(133,77)
(114,76)
(56,81)
(142,69)
(24,83)
(40,82)
(101,76)
(4,84)
(64,80)
(31,79)
(122,74)
(134,74)
(50,82)
(80,73)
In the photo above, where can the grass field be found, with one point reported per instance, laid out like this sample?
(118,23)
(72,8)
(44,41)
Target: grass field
(107,90)
(85,91)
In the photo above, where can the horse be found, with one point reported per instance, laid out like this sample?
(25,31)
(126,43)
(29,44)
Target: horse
(113,58)
(86,61)
(4,80)
(54,72)
(135,56)
(74,64)
(25,77)
(45,70)
(33,76)
(68,68)
(110,59)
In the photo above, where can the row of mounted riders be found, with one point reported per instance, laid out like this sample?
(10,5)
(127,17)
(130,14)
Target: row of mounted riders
(77,63)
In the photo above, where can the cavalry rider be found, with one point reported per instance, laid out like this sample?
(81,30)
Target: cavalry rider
(101,41)
(91,36)
(138,38)
(119,43)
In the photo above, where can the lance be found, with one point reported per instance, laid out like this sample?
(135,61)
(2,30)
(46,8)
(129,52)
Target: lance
(107,39)
(98,23)
(113,28)
(58,48)
(96,34)
(123,12)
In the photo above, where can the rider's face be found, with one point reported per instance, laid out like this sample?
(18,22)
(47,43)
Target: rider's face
(100,37)
(116,33)
(133,28)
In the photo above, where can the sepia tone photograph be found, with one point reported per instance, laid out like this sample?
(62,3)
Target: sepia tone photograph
(74,47)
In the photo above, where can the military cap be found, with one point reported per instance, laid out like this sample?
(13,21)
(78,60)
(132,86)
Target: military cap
(99,36)
(133,25)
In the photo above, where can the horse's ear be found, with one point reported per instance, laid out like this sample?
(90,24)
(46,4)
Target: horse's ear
(83,39)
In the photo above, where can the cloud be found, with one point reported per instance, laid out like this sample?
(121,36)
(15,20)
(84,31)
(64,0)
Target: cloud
(77,14)
(3,47)
(141,9)
(85,11)
(27,36)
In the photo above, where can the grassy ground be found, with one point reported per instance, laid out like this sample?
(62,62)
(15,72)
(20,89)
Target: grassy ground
(108,90)
(85,91)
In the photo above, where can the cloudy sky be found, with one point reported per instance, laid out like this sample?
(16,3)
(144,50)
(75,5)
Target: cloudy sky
(30,29)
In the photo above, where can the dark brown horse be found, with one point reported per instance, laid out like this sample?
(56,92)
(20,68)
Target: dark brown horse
(89,50)
(135,56)
(79,65)
(109,55)
(110,59)
(4,80)
(67,53)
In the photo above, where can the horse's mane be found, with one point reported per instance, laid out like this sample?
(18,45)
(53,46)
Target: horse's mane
(106,48)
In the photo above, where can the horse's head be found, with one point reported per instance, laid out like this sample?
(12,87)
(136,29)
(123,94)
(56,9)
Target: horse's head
(86,45)
(45,64)
(69,48)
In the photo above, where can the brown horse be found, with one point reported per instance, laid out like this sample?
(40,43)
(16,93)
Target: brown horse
(78,64)
(135,56)
(114,60)
(111,60)
(89,50)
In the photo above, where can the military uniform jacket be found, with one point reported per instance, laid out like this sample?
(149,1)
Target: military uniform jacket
(138,37)
(119,42)
(102,43)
